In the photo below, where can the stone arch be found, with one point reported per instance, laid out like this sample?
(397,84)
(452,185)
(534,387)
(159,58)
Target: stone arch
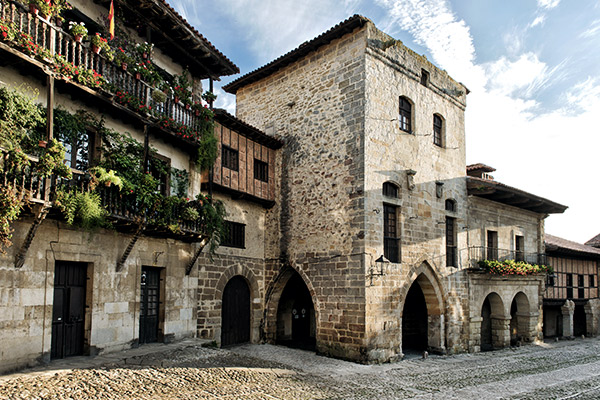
(255,306)
(522,319)
(273,296)
(494,323)
(429,283)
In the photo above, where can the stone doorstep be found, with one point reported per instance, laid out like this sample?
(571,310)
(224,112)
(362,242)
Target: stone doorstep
(69,364)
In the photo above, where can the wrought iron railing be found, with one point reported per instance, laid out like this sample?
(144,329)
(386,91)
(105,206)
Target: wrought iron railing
(54,41)
(493,253)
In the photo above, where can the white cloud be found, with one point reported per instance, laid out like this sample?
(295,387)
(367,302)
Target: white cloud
(225,101)
(526,75)
(539,20)
(548,4)
(593,30)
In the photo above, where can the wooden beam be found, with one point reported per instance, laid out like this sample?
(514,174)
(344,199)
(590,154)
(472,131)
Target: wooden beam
(41,211)
(132,242)
(203,244)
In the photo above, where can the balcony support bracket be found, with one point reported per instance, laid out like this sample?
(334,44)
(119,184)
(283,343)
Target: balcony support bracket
(189,267)
(41,211)
(132,242)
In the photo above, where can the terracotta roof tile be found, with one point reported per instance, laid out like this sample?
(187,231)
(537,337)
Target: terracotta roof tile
(560,245)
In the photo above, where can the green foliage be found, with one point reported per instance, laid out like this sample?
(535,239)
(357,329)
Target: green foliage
(11,204)
(512,267)
(52,161)
(22,121)
(180,182)
(83,209)
(207,152)
(99,176)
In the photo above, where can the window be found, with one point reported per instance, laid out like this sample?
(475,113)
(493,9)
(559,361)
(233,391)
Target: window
(569,286)
(451,205)
(438,125)
(405,116)
(229,158)
(451,252)
(424,77)
(235,235)
(580,287)
(80,148)
(390,190)
(519,248)
(592,280)
(261,170)
(391,239)
(159,168)
(492,245)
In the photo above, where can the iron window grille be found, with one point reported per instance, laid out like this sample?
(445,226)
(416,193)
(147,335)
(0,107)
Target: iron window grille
(261,170)
(437,130)
(235,235)
(230,158)
(405,115)
(451,248)
(391,239)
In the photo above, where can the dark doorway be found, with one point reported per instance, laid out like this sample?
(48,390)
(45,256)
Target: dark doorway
(149,304)
(235,312)
(296,316)
(579,321)
(414,320)
(68,310)
(486,326)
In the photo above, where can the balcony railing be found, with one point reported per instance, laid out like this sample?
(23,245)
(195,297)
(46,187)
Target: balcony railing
(493,253)
(165,219)
(54,41)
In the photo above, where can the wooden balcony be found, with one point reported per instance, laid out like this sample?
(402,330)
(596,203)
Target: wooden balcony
(125,211)
(47,47)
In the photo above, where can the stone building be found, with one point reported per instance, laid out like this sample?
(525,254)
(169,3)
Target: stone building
(373,165)
(68,291)
(571,306)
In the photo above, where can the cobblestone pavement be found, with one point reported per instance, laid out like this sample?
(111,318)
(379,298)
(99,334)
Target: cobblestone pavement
(186,370)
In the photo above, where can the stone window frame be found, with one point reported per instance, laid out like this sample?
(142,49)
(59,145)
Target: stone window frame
(439,130)
(236,235)
(390,189)
(450,205)
(406,111)
(392,242)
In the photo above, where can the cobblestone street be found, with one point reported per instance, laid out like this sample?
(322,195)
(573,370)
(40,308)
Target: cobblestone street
(186,370)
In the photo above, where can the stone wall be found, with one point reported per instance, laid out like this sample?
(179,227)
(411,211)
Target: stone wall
(317,106)
(426,175)
(112,298)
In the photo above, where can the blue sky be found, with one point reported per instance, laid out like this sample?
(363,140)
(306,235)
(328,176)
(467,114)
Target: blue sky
(533,68)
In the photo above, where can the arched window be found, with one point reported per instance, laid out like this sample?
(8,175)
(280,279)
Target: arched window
(390,189)
(451,205)
(438,126)
(405,114)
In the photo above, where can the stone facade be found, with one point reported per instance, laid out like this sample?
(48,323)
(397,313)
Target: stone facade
(334,101)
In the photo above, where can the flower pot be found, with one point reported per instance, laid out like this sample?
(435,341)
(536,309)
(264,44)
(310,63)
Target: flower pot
(78,38)
(96,49)
(33,9)
(138,75)
(145,55)
(124,66)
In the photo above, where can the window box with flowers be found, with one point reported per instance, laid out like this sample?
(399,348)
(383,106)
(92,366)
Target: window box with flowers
(512,267)
(99,43)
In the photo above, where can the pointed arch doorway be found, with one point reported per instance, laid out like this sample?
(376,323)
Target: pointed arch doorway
(235,312)
(296,324)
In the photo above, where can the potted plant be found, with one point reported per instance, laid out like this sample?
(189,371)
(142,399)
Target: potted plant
(123,59)
(57,9)
(78,30)
(99,43)
(182,88)
(209,96)
(40,7)
(144,50)
(159,96)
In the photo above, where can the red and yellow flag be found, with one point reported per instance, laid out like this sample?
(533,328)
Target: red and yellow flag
(111,20)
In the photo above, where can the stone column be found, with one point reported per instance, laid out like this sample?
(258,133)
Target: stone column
(592,311)
(475,334)
(567,310)
(500,332)
(527,326)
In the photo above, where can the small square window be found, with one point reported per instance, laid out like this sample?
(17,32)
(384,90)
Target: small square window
(235,235)
(230,158)
(424,77)
(261,170)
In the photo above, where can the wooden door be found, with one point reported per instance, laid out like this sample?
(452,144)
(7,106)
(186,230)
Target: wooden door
(68,310)
(149,304)
(235,312)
